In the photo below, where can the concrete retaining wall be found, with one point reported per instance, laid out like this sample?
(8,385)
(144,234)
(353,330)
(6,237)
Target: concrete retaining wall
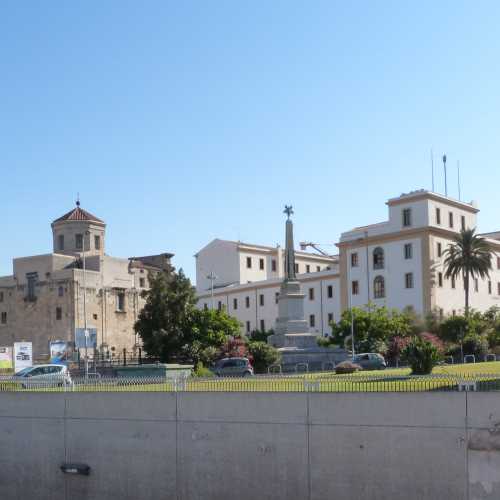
(188,446)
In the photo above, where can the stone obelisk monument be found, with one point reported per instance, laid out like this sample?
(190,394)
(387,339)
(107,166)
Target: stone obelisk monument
(291,336)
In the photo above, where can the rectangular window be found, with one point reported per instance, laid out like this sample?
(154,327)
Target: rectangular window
(273,266)
(276,297)
(409,280)
(318,269)
(354,260)
(329,291)
(60,242)
(97,242)
(142,282)
(312,320)
(438,216)
(441,313)
(32,279)
(330,318)
(440,279)
(450,219)
(79,241)
(58,313)
(1,296)
(489,287)
(247,302)
(235,304)
(249,262)
(248,326)
(311,293)
(408,251)
(498,288)
(4,318)
(355,288)
(476,285)
(498,262)
(453,283)
(463,222)
(439,249)
(407,217)
(120,301)
(297,268)
(262,325)
(308,268)
(261,264)
(205,306)
(261,299)
(219,306)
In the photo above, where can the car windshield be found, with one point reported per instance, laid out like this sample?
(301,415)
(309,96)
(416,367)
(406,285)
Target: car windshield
(24,371)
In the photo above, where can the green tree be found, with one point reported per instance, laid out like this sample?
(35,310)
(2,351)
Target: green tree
(206,333)
(173,329)
(468,256)
(373,326)
(163,321)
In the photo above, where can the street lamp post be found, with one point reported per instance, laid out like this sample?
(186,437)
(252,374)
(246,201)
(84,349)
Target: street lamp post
(349,287)
(212,277)
(85,329)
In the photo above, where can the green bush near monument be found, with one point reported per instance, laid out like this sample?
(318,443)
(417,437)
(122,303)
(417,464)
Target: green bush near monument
(263,356)
(421,355)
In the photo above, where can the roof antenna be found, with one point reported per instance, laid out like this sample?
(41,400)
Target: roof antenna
(432,168)
(445,179)
(77,199)
(458,178)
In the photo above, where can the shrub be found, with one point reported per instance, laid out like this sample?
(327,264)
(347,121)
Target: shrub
(323,342)
(421,355)
(263,356)
(347,367)
(477,345)
(434,340)
(201,371)
(261,335)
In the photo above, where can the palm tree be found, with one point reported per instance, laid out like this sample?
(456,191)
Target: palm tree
(469,256)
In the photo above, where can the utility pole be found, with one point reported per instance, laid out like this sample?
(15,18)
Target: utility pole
(445,177)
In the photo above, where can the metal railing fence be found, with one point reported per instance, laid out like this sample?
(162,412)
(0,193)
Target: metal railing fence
(269,383)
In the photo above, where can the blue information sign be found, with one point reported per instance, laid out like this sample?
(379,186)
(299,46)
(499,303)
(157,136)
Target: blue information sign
(80,338)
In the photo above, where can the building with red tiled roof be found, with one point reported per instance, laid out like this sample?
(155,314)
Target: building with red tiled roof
(49,297)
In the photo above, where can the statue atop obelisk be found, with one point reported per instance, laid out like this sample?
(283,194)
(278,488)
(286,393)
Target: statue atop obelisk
(291,327)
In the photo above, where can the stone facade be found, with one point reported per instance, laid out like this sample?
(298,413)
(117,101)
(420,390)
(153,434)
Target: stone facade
(44,298)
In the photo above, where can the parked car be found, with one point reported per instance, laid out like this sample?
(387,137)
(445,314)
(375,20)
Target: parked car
(370,361)
(233,367)
(44,376)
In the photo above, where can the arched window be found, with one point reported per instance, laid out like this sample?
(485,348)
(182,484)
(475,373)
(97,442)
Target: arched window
(378,258)
(379,287)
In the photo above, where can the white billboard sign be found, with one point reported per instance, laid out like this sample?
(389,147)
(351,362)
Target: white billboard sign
(23,355)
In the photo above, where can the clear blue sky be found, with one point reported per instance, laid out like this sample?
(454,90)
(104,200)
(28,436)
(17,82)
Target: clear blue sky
(179,122)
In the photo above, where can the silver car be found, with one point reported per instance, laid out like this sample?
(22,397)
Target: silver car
(40,376)
(233,367)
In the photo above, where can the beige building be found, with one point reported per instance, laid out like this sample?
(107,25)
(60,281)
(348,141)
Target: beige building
(43,300)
